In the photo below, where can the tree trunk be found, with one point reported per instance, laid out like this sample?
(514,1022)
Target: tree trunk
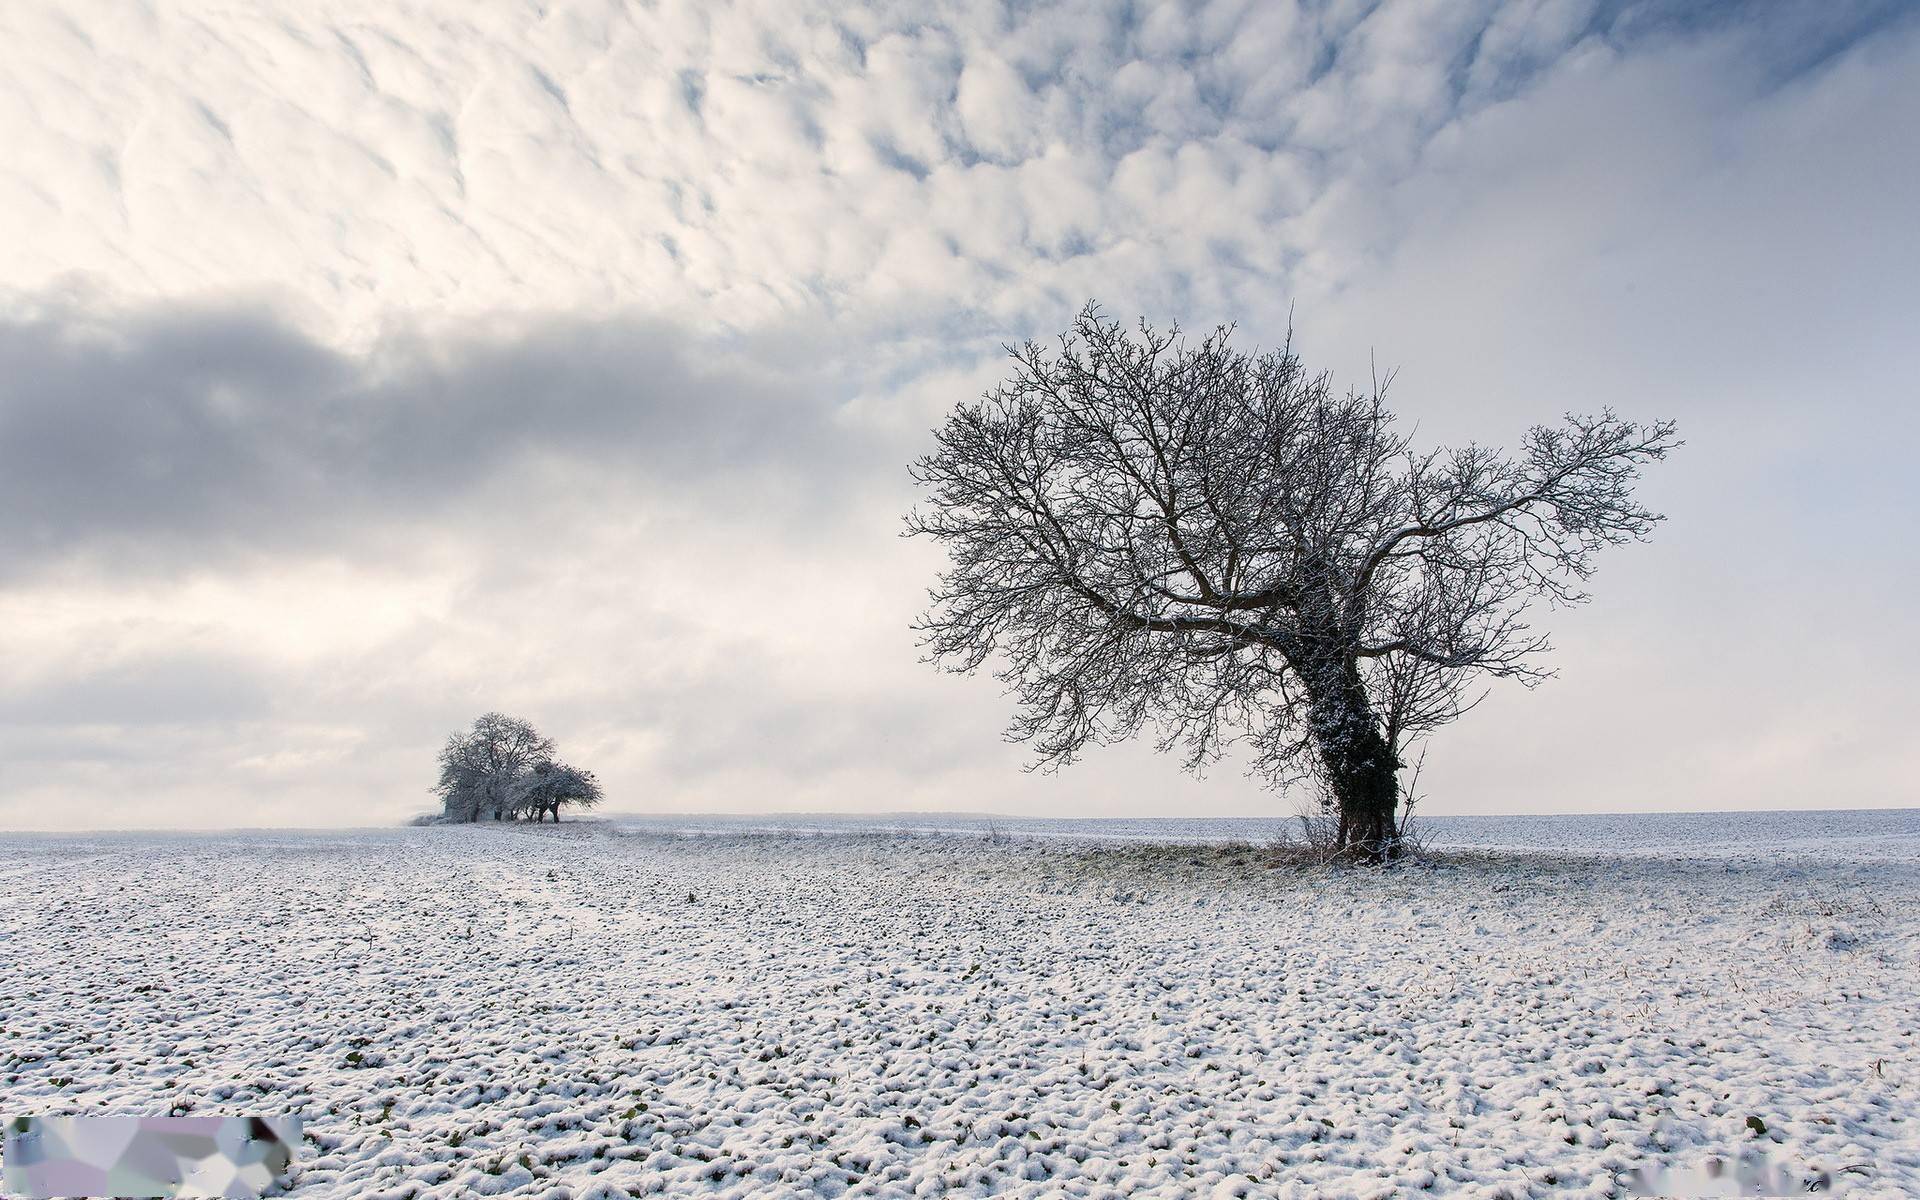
(1361,769)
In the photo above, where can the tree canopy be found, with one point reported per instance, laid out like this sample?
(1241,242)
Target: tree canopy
(503,768)
(1146,531)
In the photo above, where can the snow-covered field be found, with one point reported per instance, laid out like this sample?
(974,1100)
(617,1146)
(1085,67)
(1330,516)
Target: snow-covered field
(599,1010)
(1863,835)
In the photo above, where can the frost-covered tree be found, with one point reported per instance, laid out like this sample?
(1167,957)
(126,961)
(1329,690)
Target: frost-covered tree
(481,770)
(548,785)
(503,768)
(1154,532)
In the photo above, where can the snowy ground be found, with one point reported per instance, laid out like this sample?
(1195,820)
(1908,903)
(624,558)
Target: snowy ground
(591,1011)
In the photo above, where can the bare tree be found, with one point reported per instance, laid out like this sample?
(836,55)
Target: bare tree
(1156,532)
(548,785)
(480,770)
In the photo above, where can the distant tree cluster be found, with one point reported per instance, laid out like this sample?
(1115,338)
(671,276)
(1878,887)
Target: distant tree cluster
(504,769)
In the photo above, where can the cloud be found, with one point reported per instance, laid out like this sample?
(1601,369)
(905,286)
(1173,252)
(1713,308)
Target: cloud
(740,161)
(166,689)
(360,372)
(171,436)
(1704,227)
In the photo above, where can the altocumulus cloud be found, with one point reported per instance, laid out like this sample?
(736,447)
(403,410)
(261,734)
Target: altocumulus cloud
(740,161)
(365,366)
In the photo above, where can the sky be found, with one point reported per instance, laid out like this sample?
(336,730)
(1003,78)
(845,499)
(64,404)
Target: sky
(368,366)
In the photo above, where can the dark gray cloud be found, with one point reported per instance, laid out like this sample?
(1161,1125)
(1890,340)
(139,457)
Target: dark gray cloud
(169,436)
(169,688)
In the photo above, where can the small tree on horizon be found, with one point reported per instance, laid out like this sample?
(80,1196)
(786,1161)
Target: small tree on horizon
(1154,532)
(481,771)
(548,785)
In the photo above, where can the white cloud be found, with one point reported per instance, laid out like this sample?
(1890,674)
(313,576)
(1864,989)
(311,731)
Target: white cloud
(735,162)
(999,114)
(746,253)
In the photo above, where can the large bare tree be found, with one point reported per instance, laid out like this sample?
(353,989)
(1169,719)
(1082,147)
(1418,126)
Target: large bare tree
(1159,533)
